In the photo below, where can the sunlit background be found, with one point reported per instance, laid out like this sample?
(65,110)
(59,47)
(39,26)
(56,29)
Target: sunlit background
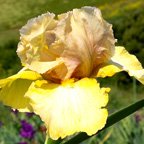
(127,17)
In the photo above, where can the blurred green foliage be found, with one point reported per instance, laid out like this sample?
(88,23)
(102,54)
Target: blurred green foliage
(11,127)
(9,61)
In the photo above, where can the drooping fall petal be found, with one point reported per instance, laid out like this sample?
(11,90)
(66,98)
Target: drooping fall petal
(70,107)
(13,89)
(123,61)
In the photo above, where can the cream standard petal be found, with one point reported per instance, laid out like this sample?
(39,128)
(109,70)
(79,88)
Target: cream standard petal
(123,61)
(33,37)
(81,38)
(38,49)
(13,89)
(42,67)
(88,39)
(70,107)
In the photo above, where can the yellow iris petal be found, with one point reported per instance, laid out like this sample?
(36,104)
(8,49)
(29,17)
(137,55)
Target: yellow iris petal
(107,70)
(123,61)
(14,88)
(70,107)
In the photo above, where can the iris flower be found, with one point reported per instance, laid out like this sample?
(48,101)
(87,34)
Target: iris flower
(62,58)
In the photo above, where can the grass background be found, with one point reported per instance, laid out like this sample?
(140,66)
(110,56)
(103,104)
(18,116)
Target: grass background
(127,17)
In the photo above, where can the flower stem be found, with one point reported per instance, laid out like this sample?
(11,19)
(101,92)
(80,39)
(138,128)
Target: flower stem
(134,90)
(50,141)
(112,119)
(46,141)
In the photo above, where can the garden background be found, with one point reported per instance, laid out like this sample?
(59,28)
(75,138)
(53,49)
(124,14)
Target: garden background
(127,17)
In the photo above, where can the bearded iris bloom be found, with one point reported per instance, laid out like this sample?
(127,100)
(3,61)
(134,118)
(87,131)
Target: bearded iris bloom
(62,57)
